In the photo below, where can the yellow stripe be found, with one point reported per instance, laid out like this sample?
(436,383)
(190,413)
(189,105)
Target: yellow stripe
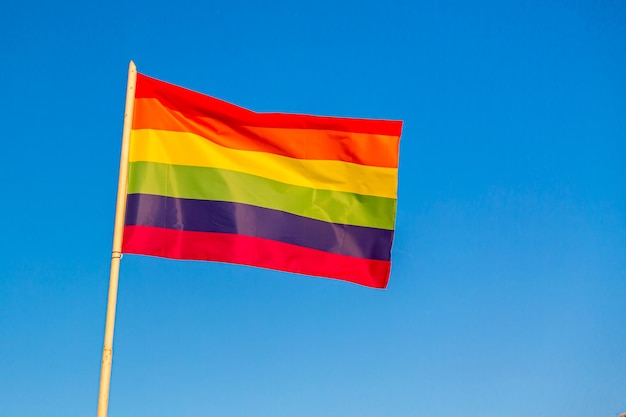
(183,148)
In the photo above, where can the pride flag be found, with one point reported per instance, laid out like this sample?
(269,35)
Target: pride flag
(212,181)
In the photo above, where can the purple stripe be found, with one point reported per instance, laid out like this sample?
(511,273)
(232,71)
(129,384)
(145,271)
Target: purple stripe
(244,219)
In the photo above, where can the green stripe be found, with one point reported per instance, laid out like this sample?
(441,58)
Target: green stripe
(224,185)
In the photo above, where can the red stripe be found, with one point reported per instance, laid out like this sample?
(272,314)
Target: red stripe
(192,103)
(237,249)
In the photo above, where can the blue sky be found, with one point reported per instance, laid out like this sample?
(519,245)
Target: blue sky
(508,286)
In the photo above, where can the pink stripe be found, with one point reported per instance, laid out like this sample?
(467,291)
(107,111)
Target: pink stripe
(237,249)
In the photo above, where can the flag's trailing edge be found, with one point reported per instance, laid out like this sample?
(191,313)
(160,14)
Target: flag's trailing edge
(212,181)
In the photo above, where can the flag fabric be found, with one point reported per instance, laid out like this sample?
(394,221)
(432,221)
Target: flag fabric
(212,181)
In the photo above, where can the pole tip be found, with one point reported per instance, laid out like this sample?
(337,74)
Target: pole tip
(132,66)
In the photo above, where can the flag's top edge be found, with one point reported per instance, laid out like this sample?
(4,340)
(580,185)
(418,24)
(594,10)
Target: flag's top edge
(197,104)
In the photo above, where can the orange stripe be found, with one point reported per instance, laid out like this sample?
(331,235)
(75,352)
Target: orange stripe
(360,148)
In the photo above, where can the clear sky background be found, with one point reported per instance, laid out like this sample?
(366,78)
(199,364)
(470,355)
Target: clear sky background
(508,287)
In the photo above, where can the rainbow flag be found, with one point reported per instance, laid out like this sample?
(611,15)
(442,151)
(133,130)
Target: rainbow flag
(212,181)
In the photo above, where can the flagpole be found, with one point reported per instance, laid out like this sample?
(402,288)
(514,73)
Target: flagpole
(116,254)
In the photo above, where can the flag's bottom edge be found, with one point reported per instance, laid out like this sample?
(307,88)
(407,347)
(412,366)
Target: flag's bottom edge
(252,251)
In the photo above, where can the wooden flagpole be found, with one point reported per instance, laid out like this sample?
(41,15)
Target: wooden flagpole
(116,255)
